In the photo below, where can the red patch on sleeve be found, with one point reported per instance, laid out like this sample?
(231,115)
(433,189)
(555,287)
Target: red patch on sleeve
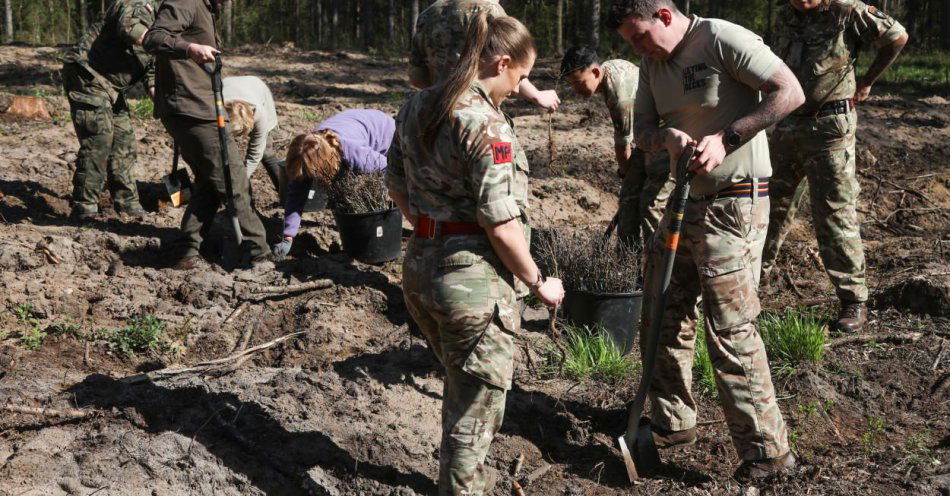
(501,152)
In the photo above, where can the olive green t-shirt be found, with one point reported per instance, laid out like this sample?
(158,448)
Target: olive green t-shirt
(710,81)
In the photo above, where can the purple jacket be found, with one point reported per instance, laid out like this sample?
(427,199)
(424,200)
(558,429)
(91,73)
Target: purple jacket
(365,136)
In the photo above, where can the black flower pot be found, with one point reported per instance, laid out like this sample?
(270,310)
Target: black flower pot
(373,237)
(617,313)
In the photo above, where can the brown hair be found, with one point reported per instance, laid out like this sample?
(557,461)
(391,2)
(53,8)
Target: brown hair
(241,115)
(487,38)
(314,155)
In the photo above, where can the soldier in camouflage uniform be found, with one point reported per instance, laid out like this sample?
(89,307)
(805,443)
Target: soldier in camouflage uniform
(699,83)
(437,45)
(820,40)
(97,72)
(646,178)
(462,181)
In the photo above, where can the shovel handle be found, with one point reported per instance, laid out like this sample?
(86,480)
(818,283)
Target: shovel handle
(677,209)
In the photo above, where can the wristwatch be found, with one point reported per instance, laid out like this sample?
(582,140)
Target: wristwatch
(732,139)
(537,284)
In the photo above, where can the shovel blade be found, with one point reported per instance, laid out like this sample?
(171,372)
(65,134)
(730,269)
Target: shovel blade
(641,458)
(178,187)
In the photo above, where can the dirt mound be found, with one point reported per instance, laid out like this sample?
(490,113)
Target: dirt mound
(927,292)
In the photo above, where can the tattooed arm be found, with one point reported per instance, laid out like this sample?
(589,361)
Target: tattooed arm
(652,138)
(782,94)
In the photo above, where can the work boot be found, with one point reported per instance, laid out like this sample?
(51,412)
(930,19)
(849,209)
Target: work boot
(753,470)
(664,439)
(83,214)
(134,210)
(187,263)
(852,317)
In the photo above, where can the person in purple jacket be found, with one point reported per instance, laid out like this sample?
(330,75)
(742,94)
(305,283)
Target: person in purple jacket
(356,140)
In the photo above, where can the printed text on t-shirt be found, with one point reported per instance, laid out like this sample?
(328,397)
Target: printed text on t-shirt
(690,81)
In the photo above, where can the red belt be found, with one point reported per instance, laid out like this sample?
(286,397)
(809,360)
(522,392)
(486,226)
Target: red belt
(427,227)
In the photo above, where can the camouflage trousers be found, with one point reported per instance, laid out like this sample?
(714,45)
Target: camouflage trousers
(646,187)
(719,245)
(106,143)
(821,152)
(464,303)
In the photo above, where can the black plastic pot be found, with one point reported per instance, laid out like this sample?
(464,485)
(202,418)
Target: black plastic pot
(617,313)
(317,199)
(371,238)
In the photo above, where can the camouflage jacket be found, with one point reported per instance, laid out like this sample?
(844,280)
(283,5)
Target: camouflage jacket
(821,46)
(108,50)
(440,35)
(620,89)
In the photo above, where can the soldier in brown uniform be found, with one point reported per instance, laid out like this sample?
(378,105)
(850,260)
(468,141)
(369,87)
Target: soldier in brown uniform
(820,41)
(700,81)
(182,38)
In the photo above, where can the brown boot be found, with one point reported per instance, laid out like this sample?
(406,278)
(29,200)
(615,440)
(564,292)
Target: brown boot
(752,470)
(187,263)
(852,317)
(664,439)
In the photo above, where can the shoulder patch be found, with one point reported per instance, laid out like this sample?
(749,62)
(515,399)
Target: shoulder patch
(874,11)
(501,152)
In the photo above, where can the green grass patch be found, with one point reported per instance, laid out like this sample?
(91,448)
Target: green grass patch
(704,375)
(591,355)
(793,338)
(143,109)
(913,73)
(873,437)
(141,334)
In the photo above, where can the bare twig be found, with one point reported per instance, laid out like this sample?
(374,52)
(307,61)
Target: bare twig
(293,288)
(939,355)
(537,473)
(235,314)
(67,413)
(909,337)
(901,187)
(209,365)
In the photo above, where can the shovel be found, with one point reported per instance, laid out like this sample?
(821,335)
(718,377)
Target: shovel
(217,86)
(639,453)
(177,183)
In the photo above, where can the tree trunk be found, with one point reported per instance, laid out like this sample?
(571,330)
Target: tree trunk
(316,19)
(366,15)
(768,21)
(413,17)
(391,22)
(686,7)
(83,16)
(593,26)
(334,22)
(559,36)
(7,21)
(945,26)
(226,23)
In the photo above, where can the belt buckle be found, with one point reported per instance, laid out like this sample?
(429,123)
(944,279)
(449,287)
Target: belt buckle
(432,228)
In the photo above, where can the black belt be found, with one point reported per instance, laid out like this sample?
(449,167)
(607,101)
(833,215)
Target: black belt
(747,188)
(836,107)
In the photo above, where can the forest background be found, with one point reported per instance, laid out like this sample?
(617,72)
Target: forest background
(385,27)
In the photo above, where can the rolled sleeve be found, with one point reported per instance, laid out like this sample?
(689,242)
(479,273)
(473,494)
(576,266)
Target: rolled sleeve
(498,211)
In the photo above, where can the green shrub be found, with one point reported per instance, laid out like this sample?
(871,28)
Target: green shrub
(704,375)
(592,355)
(143,109)
(32,338)
(793,338)
(141,334)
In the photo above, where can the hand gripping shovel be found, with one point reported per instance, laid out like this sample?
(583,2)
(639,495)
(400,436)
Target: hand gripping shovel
(639,453)
(217,85)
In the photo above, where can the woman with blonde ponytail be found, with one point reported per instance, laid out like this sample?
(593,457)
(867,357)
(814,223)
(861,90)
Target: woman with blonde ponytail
(356,140)
(459,175)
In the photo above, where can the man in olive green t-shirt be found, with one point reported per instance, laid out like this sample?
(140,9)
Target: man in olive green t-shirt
(701,79)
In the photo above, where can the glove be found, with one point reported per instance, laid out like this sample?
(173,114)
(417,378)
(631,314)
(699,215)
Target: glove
(280,250)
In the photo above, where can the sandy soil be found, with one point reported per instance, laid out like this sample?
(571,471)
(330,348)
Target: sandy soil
(352,405)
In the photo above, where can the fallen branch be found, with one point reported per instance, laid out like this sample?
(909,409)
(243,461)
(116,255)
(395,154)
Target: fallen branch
(68,413)
(209,365)
(901,187)
(908,337)
(293,288)
(537,473)
(235,314)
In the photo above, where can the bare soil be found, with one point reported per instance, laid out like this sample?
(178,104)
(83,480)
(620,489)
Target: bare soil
(352,406)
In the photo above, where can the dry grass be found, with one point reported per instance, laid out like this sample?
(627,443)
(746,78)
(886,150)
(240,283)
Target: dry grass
(359,193)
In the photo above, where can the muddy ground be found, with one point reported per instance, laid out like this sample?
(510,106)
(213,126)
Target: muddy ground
(351,406)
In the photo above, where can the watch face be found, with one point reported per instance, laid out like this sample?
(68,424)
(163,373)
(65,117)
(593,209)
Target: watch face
(733,139)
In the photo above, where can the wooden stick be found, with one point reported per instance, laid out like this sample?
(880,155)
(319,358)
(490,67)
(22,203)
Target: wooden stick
(537,474)
(516,469)
(908,337)
(517,489)
(905,189)
(209,365)
(293,288)
(68,413)
(235,314)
